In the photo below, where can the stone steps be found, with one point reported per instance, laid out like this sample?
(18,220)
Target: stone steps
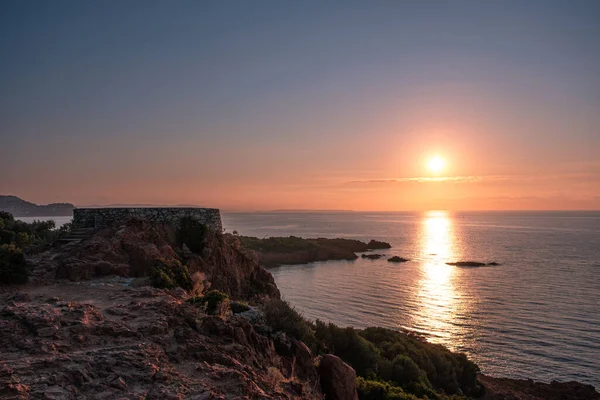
(77,234)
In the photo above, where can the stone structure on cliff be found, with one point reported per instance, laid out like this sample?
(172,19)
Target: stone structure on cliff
(101,217)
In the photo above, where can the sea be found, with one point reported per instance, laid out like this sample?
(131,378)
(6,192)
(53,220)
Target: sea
(536,315)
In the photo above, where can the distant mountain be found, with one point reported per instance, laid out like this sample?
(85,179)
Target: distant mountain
(21,208)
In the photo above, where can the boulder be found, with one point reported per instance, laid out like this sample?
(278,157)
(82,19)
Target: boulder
(466,264)
(338,379)
(304,367)
(397,259)
(372,256)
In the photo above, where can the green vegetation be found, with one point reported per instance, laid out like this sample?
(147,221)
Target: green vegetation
(30,237)
(167,275)
(390,364)
(215,301)
(12,265)
(239,307)
(191,233)
(376,390)
(18,238)
(296,250)
(291,244)
(280,316)
(276,244)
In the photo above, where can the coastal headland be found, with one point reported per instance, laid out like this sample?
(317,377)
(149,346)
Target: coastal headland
(137,309)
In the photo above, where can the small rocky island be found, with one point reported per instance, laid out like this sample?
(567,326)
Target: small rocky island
(139,309)
(472,264)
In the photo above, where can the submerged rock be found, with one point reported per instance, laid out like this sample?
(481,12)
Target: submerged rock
(397,259)
(472,264)
(466,264)
(372,256)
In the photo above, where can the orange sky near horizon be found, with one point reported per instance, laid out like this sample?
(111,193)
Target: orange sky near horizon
(300,105)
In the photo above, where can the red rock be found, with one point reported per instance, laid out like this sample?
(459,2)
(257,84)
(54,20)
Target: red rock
(338,379)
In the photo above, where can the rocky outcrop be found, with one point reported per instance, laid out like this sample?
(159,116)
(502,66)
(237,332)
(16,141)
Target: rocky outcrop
(527,389)
(397,259)
(103,339)
(133,248)
(338,379)
(377,245)
(276,251)
(371,256)
(466,264)
(230,270)
(471,264)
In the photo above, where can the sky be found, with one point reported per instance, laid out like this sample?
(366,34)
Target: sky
(259,105)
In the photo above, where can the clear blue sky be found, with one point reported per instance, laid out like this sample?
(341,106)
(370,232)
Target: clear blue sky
(301,104)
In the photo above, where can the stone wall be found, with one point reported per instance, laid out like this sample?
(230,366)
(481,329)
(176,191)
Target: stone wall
(100,217)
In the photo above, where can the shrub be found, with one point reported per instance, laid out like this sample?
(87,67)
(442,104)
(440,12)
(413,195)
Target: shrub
(280,316)
(274,377)
(13,268)
(167,275)
(31,237)
(214,301)
(199,282)
(375,390)
(191,232)
(420,367)
(346,343)
(239,307)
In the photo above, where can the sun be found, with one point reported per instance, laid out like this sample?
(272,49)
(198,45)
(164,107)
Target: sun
(436,164)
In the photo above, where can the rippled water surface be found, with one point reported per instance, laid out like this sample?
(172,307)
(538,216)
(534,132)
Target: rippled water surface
(537,315)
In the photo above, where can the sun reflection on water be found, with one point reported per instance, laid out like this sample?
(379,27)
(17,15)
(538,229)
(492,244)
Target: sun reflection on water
(438,297)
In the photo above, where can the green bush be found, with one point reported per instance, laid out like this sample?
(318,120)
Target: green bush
(13,268)
(276,244)
(347,344)
(191,232)
(239,307)
(31,237)
(280,316)
(211,299)
(422,367)
(167,275)
(375,390)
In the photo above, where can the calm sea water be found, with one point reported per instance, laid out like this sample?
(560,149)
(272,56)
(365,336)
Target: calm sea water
(59,221)
(535,316)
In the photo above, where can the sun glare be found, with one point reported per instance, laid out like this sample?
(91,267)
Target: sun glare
(436,164)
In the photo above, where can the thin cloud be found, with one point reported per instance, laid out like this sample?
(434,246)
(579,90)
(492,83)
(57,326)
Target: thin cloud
(425,179)
(585,176)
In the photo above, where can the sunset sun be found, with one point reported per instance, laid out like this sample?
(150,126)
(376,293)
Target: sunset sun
(436,164)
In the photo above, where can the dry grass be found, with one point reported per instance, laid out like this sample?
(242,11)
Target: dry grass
(274,377)
(198,283)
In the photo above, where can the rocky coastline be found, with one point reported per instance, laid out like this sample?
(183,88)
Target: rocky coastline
(141,311)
